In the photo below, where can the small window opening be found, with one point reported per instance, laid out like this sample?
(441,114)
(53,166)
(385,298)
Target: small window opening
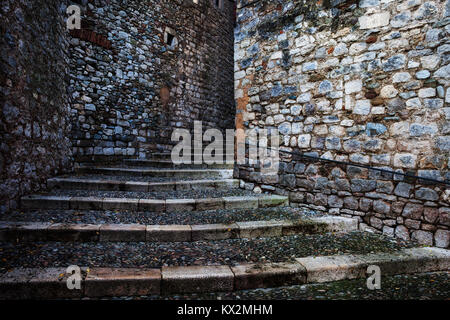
(170,38)
(218,4)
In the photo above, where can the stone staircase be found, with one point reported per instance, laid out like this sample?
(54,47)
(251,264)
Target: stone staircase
(151,227)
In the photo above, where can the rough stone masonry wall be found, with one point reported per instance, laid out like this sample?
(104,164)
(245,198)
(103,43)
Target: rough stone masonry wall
(34,117)
(364,82)
(131,88)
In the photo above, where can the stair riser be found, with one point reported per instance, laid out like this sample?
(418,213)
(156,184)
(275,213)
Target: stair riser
(140,186)
(168,165)
(166,233)
(101,282)
(135,205)
(225,174)
(168,157)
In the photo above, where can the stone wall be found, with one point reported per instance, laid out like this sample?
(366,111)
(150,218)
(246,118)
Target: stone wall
(143,68)
(34,120)
(115,88)
(362,82)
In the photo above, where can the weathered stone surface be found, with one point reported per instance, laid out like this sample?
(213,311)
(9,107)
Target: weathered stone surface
(111,282)
(273,275)
(442,238)
(73,232)
(120,204)
(24,231)
(375,20)
(337,224)
(256,229)
(122,232)
(175,205)
(332,268)
(209,204)
(241,203)
(168,233)
(215,232)
(427,194)
(196,279)
(413,211)
(45,202)
(403,190)
(423,237)
(51,283)
(120,83)
(402,233)
(431,214)
(408,261)
(273,201)
(88,203)
(152,205)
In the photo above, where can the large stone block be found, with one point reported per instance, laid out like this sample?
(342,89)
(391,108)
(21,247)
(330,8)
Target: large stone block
(272,275)
(413,211)
(168,233)
(73,232)
(196,279)
(215,232)
(374,21)
(122,232)
(256,229)
(332,268)
(111,282)
(174,205)
(241,202)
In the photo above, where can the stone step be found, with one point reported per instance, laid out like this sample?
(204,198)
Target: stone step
(74,183)
(26,283)
(155,205)
(224,216)
(170,164)
(167,173)
(207,252)
(62,232)
(416,286)
(168,156)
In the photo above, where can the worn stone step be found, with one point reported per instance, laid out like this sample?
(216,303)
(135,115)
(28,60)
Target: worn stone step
(156,205)
(32,231)
(150,254)
(223,216)
(75,183)
(25,283)
(168,156)
(416,286)
(167,173)
(169,164)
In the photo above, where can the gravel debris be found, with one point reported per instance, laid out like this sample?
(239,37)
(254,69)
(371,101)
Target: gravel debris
(225,252)
(155,218)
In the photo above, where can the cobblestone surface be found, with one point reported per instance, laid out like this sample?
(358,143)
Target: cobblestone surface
(181,194)
(132,178)
(426,286)
(230,252)
(153,218)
